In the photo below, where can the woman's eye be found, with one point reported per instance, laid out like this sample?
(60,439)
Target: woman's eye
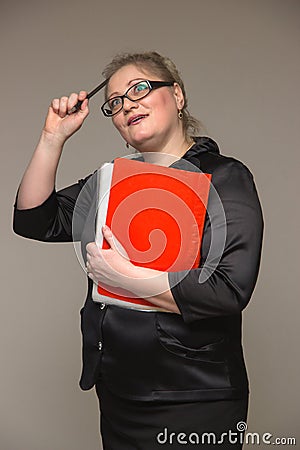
(140,87)
(115,102)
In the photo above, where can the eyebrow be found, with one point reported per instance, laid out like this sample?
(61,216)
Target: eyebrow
(129,82)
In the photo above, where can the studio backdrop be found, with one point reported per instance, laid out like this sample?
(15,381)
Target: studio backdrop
(240,64)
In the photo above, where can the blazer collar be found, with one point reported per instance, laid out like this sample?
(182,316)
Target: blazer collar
(202,144)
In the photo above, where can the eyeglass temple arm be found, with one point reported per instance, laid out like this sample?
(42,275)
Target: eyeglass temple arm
(89,95)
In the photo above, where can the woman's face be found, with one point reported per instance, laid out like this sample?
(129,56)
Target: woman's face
(158,112)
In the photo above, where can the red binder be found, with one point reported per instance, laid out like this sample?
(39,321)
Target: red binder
(157,214)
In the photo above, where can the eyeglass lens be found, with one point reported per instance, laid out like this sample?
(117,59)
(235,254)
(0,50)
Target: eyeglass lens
(135,92)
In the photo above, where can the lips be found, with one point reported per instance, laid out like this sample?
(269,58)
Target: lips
(133,120)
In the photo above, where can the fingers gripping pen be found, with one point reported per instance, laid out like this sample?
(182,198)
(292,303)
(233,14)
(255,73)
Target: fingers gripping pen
(90,94)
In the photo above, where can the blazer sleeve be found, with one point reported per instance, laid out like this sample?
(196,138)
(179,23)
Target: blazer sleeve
(52,220)
(223,284)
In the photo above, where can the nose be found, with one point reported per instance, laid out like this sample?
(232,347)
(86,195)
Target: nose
(129,104)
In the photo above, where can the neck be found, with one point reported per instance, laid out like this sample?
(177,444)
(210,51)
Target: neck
(167,152)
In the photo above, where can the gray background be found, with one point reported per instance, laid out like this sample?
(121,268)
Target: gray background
(240,64)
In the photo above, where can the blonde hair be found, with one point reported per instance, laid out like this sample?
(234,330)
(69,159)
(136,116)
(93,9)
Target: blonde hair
(162,67)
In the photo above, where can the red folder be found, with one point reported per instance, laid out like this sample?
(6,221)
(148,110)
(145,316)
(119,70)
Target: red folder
(157,214)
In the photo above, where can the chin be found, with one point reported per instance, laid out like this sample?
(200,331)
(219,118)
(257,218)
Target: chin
(140,141)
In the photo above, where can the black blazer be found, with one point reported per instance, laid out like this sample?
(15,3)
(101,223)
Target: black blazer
(156,355)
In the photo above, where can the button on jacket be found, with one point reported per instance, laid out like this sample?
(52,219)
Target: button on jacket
(152,356)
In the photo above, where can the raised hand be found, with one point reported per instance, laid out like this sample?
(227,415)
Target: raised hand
(59,123)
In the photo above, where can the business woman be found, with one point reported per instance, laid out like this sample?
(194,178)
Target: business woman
(173,375)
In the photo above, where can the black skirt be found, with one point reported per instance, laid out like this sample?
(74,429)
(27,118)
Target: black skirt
(143,425)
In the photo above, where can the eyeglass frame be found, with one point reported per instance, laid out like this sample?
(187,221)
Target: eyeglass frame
(152,86)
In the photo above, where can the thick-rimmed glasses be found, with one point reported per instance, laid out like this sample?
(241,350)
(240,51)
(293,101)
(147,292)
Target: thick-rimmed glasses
(134,93)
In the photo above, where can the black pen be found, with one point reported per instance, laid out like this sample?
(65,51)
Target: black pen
(90,94)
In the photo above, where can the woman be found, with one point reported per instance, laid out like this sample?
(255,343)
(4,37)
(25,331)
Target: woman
(161,377)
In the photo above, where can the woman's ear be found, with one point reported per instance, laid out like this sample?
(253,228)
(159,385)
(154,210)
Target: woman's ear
(179,97)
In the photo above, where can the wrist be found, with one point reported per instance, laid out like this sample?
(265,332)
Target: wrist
(145,282)
(52,140)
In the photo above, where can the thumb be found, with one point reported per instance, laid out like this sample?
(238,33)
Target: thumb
(113,242)
(109,237)
(84,106)
(83,111)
